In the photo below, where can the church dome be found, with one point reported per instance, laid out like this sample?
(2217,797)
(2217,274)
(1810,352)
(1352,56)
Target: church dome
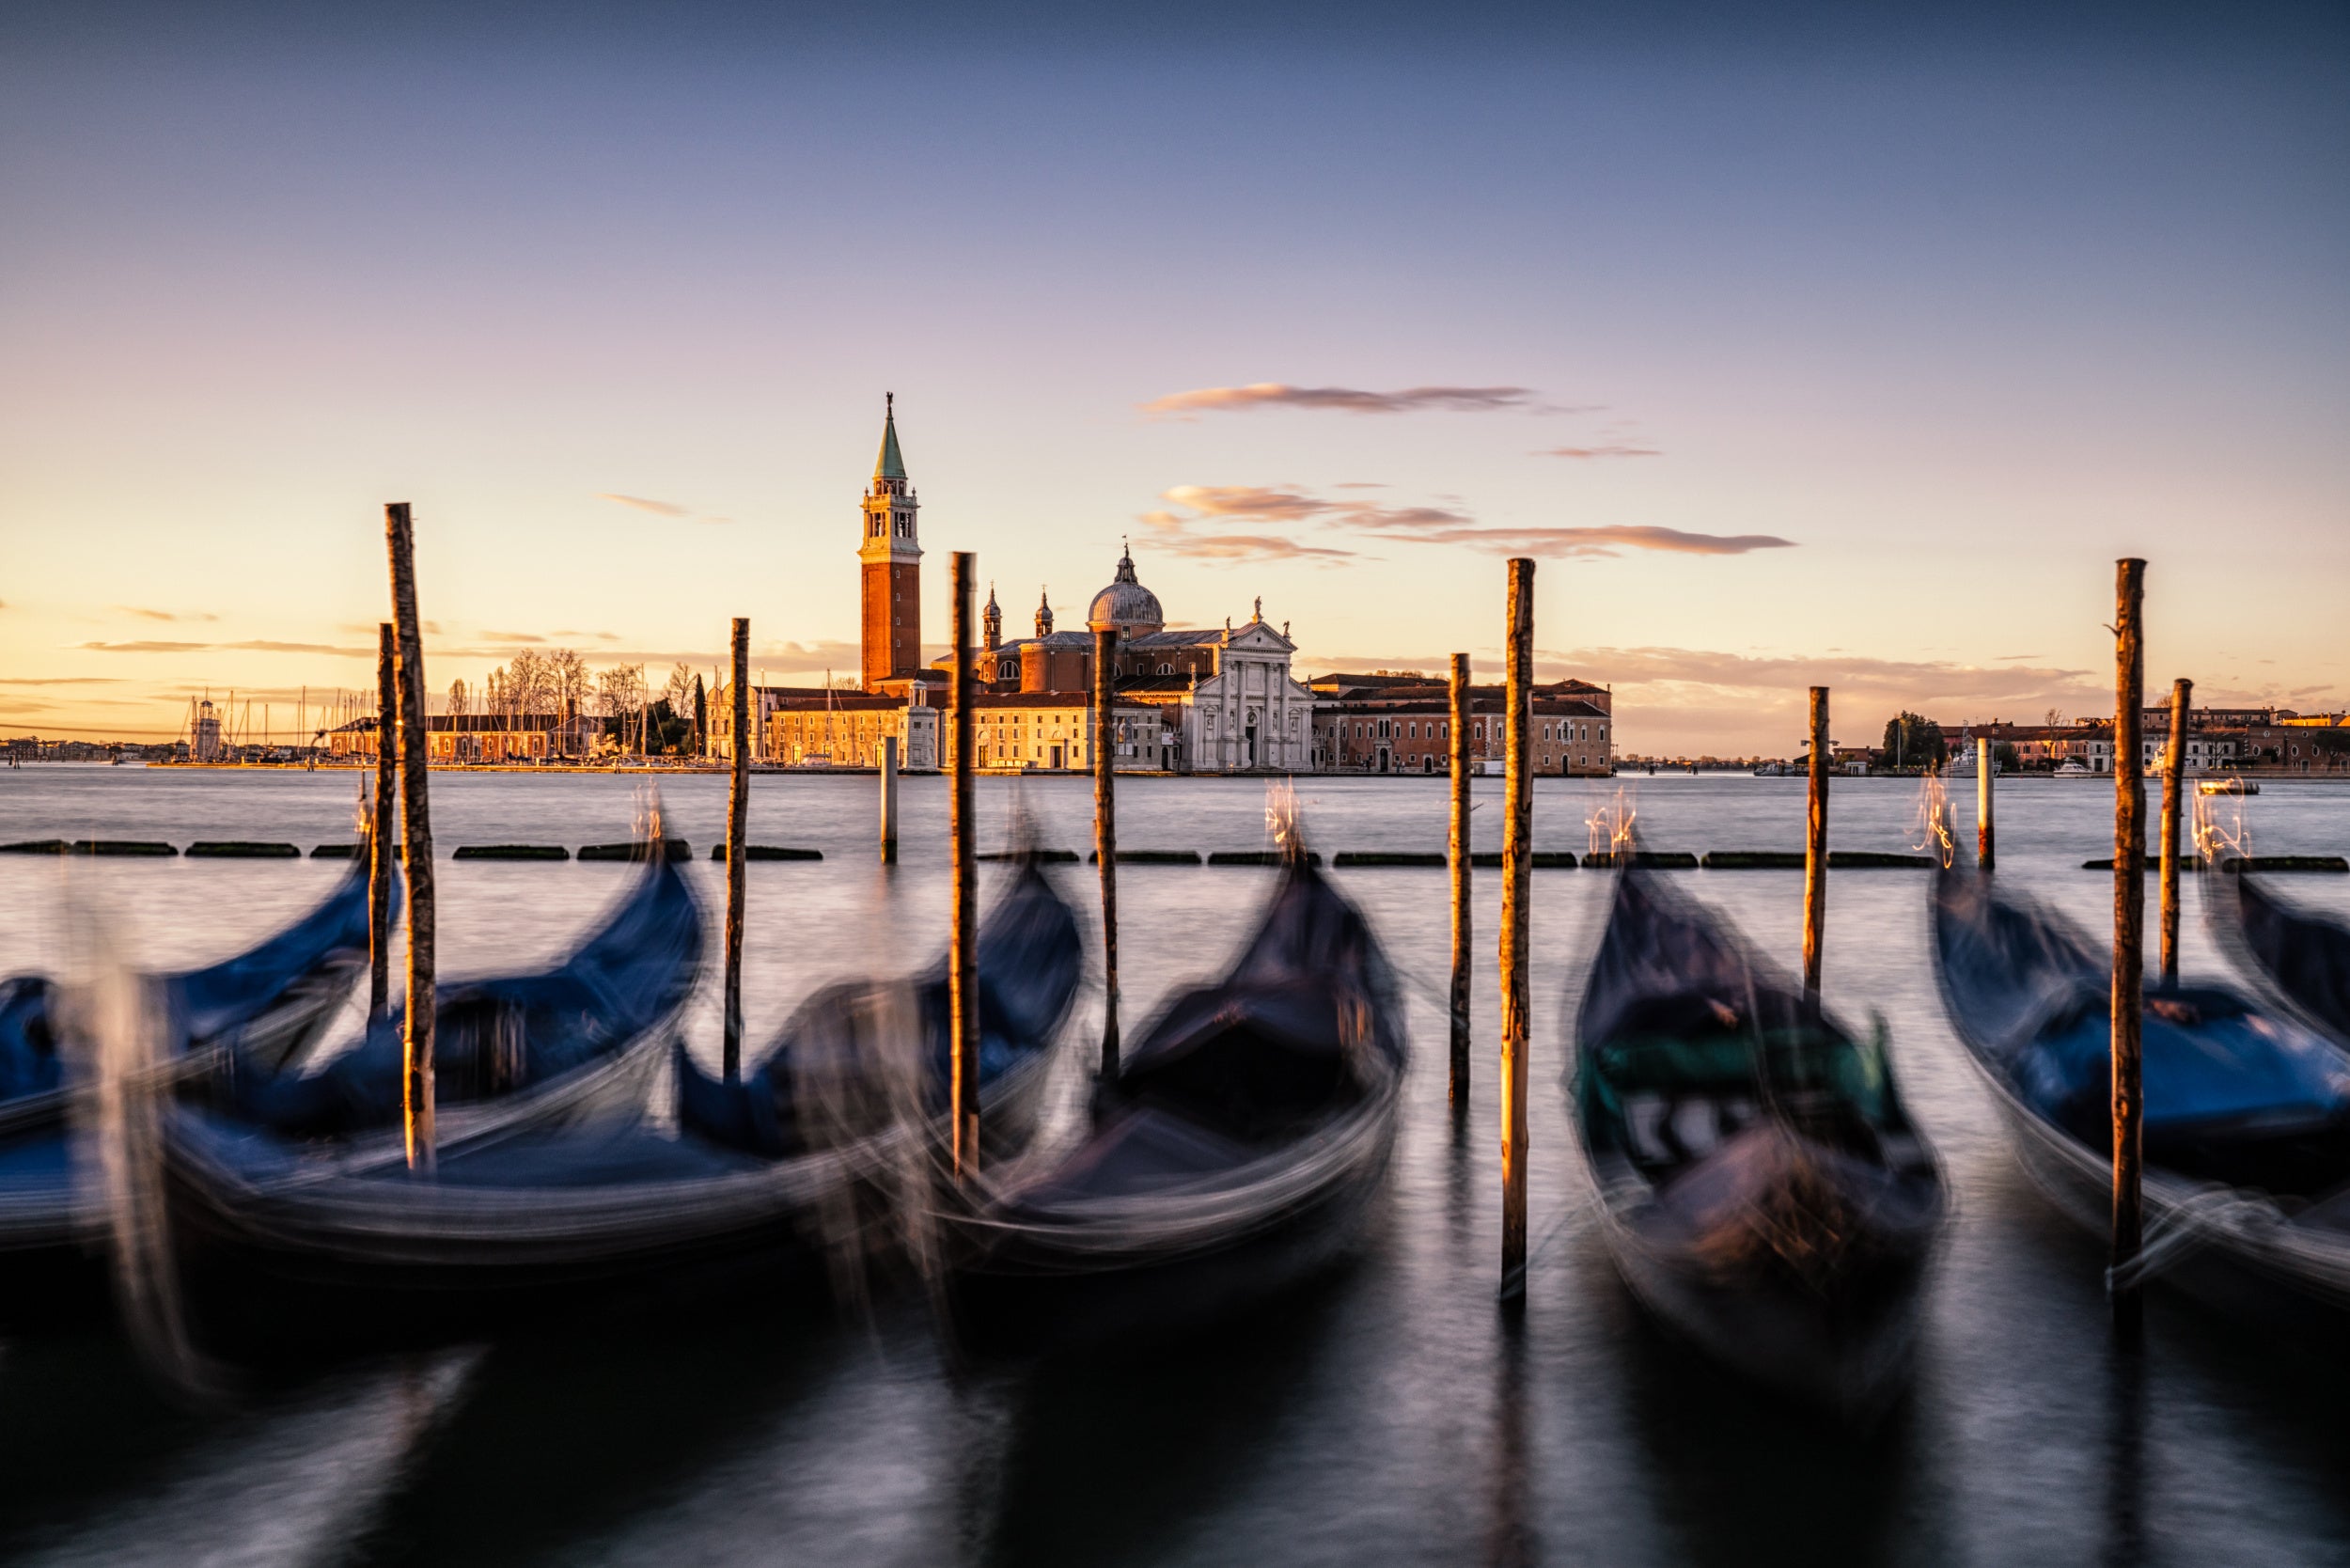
(1126,605)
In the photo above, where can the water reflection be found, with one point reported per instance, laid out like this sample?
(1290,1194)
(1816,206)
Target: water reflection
(1119,1457)
(1744,1478)
(2124,1544)
(1511,1540)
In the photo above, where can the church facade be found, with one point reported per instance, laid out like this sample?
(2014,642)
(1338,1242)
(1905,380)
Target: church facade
(1223,698)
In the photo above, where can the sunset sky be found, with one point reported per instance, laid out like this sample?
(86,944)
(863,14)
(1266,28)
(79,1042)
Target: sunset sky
(1847,348)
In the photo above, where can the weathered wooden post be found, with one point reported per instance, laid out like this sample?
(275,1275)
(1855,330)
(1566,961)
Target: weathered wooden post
(1517,833)
(1105,834)
(2173,803)
(1986,765)
(1815,849)
(738,831)
(964,957)
(2129,957)
(889,800)
(1457,852)
(380,834)
(416,1040)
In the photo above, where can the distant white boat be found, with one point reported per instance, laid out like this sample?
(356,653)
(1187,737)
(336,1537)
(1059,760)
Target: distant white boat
(2072,770)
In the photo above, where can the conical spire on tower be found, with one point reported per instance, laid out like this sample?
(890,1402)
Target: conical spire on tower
(1044,613)
(992,620)
(891,465)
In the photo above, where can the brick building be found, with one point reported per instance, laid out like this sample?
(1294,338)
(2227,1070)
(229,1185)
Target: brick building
(1390,722)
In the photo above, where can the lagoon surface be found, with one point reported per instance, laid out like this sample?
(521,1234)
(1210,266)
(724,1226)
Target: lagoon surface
(1391,1415)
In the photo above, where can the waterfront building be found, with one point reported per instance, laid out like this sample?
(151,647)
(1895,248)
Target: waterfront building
(766,703)
(846,729)
(458,739)
(1400,721)
(1052,732)
(204,733)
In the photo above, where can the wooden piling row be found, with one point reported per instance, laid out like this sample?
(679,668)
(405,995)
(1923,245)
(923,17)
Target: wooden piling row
(380,829)
(2173,797)
(417,1039)
(1105,834)
(1815,849)
(1518,841)
(738,833)
(1457,850)
(963,958)
(2129,914)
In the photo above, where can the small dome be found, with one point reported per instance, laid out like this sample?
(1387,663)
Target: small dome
(1126,603)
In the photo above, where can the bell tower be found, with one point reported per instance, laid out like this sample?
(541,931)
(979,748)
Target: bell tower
(891,560)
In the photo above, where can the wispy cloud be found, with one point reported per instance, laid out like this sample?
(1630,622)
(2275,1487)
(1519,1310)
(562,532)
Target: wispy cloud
(1176,535)
(1418,524)
(659,508)
(513,636)
(59,680)
(2005,658)
(145,647)
(163,615)
(1605,450)
(1349,399)
(1587,543)
(254,645)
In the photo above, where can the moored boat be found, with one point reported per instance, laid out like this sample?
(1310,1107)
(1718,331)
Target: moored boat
(1235,1154)
(1761,1188)
(261,1007)
(756,1183)
(2247,1112)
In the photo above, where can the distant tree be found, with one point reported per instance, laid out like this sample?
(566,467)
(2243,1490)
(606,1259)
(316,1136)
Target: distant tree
(621,691)
(1912,740)
(571,682)
(2004,754)
(456,696)
(701,719)
(679,688)
(2055,717)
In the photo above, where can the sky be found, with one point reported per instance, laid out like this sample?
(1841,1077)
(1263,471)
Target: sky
(1845,345)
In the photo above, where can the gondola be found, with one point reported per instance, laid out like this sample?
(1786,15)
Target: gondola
(1235,1153)
(2247,1112)
(531,1223)
(2301,958)
(1761,1189)
(262,1006)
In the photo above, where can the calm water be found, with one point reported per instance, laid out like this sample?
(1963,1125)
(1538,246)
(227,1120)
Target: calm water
(1391,1415)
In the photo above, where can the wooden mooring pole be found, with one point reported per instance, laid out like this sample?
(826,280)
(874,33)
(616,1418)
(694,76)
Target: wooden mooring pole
(1457,852)
(738,831)
(1105,834)
(2173,803)
(889,800)
(380,832)
(417,1039)
(2130,957)
(962,962)
(1986,764)
(1517,835)
(1815,849)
